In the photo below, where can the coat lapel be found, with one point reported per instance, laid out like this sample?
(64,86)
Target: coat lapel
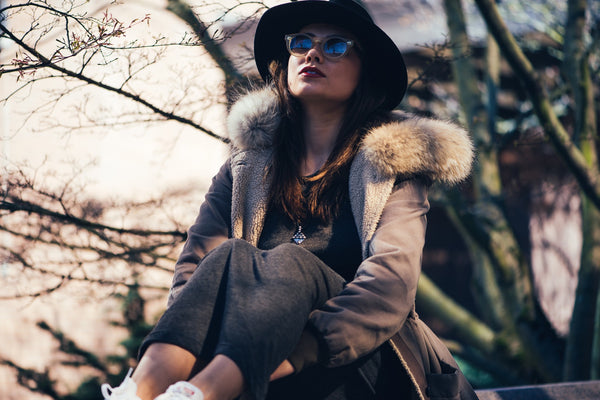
(250,191)
(369,192)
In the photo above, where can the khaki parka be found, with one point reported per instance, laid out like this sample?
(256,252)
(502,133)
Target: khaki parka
(388,195)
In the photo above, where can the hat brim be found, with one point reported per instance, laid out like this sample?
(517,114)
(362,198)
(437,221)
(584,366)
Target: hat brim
(276,22)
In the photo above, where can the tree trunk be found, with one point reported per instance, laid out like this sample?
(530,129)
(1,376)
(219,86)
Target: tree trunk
(465,325)
(587,177)
(510,294)
(183,10)
(578,360)
(580,342)
(492,83)
(595,370)
(513,274)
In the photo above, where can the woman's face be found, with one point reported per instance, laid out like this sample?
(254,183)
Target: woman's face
(313,77)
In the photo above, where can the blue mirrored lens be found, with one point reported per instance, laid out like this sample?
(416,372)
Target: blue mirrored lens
(335,47)
(301,43)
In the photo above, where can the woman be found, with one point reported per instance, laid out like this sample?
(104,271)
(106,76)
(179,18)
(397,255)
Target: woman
(302,266)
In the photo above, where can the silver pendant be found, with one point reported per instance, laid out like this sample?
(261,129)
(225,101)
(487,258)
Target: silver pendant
(299,237)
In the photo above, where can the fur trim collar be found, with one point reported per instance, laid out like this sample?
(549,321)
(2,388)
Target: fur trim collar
(408,145)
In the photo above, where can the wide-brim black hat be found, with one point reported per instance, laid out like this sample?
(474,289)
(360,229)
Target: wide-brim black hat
(276,22)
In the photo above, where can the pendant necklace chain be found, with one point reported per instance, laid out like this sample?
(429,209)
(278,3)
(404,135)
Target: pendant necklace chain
(299,236)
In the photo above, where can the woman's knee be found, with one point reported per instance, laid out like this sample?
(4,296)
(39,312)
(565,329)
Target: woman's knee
(219,258)
(289,254)
(232,245)
(292,250)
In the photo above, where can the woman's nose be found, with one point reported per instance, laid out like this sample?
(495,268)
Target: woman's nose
(314,54)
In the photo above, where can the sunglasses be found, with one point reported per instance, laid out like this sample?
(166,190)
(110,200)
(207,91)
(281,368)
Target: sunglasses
(333,47)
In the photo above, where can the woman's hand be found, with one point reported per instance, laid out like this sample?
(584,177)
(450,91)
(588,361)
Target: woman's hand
(284,369)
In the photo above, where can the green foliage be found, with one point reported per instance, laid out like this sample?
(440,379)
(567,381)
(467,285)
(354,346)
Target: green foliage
(476,376)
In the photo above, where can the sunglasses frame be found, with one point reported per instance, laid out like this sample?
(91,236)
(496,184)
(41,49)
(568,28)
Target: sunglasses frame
(320,42)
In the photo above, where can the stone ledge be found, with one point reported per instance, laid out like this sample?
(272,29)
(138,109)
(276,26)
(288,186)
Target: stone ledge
(588,390)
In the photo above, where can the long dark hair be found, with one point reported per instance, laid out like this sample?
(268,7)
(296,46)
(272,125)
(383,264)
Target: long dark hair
(329,187)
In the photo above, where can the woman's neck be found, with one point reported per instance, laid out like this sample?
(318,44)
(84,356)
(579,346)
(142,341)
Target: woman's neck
(321,130)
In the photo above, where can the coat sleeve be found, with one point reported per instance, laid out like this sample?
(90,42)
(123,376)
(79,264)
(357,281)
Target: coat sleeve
(375,304)
(211,228)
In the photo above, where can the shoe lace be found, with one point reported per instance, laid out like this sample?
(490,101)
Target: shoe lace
(108,391)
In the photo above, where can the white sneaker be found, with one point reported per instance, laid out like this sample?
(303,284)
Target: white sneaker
(182,391)
(126,391)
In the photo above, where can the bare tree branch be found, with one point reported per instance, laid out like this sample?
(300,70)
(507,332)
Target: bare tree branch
(588,178)
(94,42)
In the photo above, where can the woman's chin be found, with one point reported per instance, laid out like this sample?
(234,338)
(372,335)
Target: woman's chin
(319,96)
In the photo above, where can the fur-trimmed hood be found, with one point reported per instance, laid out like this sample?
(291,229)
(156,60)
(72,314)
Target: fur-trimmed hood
(407,146)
